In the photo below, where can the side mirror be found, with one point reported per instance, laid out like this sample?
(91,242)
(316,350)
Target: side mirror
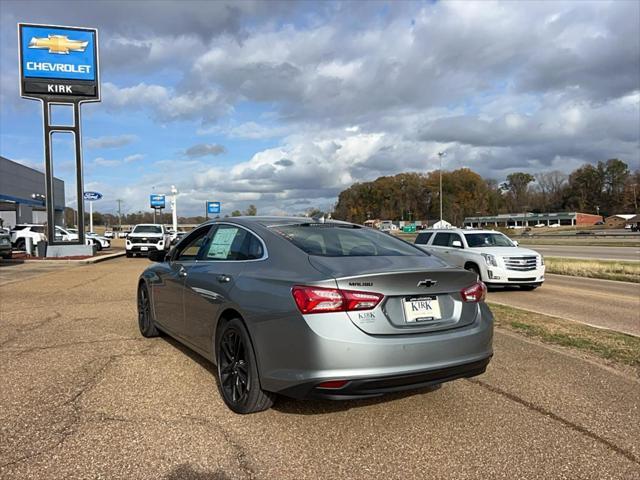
(456,244)
(157,255)
(515,243)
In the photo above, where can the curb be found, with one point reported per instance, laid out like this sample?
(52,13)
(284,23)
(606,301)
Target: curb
(84,261)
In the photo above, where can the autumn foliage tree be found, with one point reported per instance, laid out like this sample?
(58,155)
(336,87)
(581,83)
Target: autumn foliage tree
(607,187)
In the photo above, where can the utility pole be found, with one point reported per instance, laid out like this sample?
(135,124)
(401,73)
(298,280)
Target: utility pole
(119,215)
(441,154)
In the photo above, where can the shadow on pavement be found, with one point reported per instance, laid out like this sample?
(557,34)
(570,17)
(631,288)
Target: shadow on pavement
(316,407)
(186,472)
(305,407)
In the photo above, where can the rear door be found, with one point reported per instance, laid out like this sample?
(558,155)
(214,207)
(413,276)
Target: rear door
(455,252)
(440,245)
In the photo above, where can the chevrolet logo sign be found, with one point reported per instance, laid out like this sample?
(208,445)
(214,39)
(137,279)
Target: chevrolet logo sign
(59,44)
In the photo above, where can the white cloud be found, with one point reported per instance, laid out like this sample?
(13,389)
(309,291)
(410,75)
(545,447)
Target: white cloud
(103,162)
(114,141)
(136,157)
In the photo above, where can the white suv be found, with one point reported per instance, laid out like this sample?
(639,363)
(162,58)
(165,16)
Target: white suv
(21,232)
(147,237)
(493,256)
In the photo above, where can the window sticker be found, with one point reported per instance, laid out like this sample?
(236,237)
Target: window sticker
(221,243)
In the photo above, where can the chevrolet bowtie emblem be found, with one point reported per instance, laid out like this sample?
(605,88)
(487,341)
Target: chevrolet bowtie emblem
(59,44)
(427,283)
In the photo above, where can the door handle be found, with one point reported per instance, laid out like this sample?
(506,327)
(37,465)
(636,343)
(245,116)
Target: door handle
(182,272)
(224,278)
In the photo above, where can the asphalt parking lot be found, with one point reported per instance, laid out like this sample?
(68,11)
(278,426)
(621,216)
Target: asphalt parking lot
(85,396)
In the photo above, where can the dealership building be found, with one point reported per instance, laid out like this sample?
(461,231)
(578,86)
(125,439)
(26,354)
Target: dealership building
(531,219)
(22,195)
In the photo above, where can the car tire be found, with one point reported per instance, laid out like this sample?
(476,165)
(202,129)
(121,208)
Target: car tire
(474,268)
(99,246)
(528,288)
(238,378)
(20,244)
(146,323)
(129,254)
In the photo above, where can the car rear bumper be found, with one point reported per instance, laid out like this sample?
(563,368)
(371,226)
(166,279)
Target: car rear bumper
(376,386)
(296,360)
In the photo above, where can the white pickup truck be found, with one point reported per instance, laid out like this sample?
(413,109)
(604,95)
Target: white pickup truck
(147,237)
(496,259)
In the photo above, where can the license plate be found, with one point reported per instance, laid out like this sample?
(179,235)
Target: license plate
(421,309)
(144,249)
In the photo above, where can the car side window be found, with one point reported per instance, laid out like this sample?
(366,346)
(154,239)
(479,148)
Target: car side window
(441,240)
(190,247)
(229,242)
(423,238)
(255,250)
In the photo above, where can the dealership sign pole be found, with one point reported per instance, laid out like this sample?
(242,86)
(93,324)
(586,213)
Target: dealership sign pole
(91,197)
(59,66)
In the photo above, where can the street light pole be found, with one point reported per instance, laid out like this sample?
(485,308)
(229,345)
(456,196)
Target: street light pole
(441,154)
(174,207)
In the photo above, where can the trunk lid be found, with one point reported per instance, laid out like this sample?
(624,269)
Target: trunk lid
(403,280)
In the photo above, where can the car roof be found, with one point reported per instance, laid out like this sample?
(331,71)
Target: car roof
(457,230)
(269,221)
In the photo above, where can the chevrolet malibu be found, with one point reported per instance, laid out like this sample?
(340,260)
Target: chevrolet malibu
(315,309)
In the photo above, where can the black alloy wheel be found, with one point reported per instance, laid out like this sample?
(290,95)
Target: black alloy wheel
(237,370)
(234,373)
(145,316)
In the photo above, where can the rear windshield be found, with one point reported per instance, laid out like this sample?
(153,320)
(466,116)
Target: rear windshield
(147,229)
(329,240)
(487,240)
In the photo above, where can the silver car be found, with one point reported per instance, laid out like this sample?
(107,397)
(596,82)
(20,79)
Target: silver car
(315,309)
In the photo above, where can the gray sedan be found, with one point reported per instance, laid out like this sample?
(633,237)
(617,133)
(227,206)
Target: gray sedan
(315,309)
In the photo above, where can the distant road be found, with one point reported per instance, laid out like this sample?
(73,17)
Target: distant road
(590,252)
(603,303)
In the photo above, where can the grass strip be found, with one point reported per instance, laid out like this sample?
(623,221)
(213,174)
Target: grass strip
(577,242)
(606,269)
(606,344)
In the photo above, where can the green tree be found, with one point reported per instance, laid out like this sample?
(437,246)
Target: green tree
(251,211)
(236,213)
(517,185)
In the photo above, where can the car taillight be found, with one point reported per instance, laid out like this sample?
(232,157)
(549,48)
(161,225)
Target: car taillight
(323,300)
(474,293)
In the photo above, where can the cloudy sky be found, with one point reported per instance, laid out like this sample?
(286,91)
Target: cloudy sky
(285,104)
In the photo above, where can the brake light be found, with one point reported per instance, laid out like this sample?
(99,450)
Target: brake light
(474,293)
(324,300)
